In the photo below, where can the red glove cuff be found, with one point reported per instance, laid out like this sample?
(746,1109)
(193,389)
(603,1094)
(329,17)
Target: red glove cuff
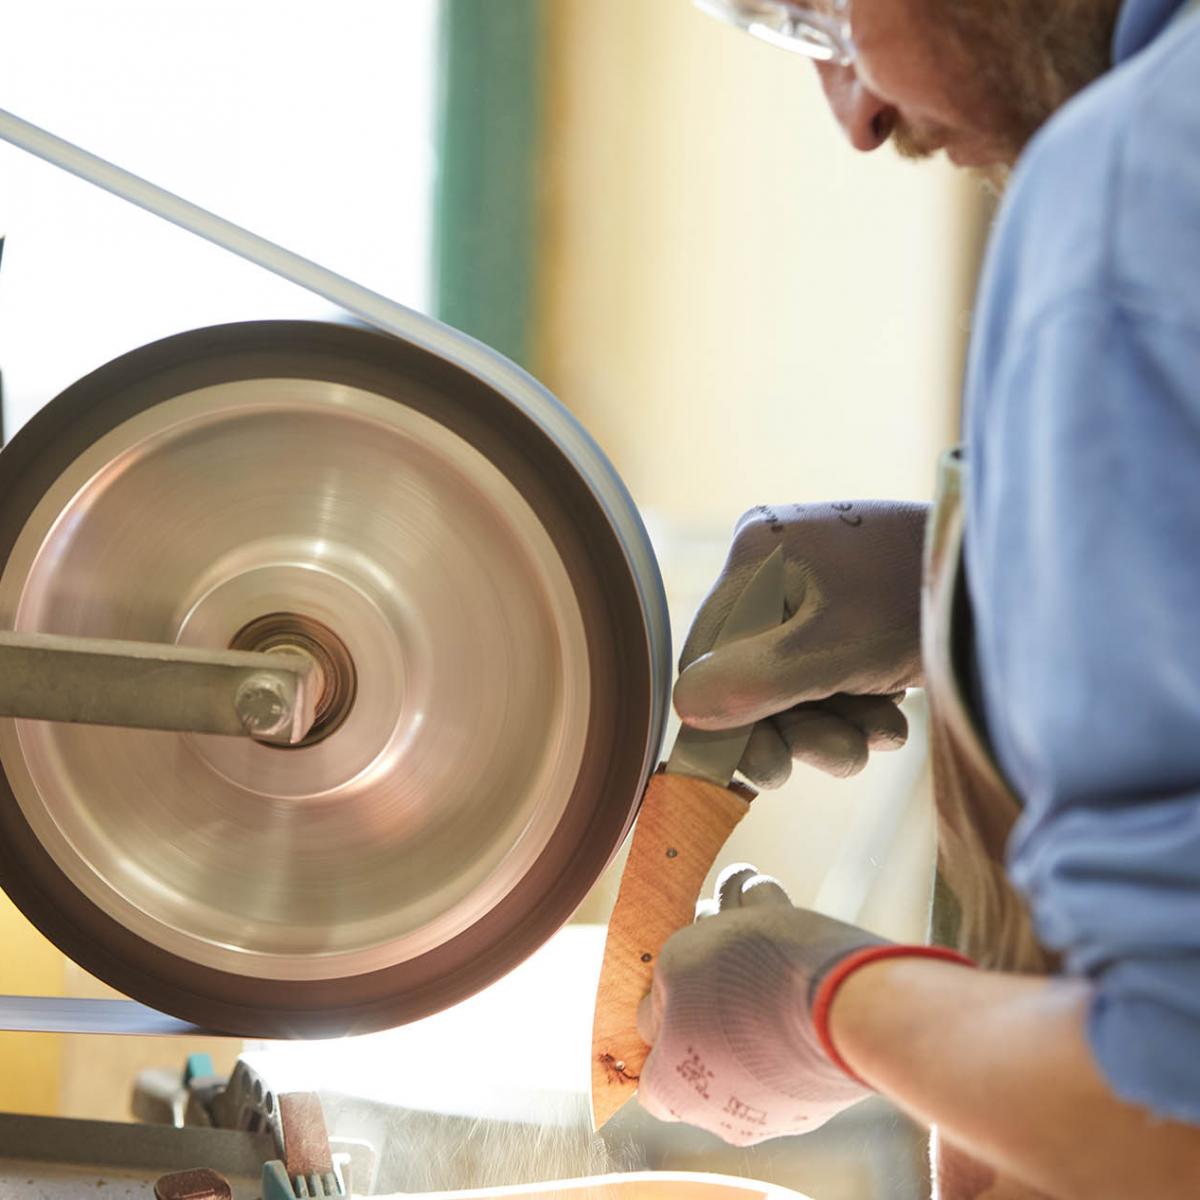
(828,988)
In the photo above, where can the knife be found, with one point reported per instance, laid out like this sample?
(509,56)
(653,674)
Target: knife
(690,808)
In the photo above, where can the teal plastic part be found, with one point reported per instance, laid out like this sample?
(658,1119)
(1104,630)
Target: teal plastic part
(277,1186)
(198,1066)
(275,1182)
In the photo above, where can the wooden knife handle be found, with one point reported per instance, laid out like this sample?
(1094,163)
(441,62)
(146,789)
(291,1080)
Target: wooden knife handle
(682,825)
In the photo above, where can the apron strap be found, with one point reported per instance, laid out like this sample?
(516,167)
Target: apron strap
(976,910)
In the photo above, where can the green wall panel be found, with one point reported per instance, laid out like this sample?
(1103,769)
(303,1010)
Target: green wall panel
(485,237)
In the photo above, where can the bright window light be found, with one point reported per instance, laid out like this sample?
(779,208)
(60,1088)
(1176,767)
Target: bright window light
(308,123)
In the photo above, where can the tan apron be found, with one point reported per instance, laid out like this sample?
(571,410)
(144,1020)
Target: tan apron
(975,908)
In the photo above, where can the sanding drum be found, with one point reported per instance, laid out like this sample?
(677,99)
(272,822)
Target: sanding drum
(487,623)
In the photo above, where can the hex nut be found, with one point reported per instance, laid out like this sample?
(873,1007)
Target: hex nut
(263,706)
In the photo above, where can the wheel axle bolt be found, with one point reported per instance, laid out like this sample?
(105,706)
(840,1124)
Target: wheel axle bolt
(263,706)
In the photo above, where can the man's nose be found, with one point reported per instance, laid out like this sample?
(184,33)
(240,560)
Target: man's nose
(867,120)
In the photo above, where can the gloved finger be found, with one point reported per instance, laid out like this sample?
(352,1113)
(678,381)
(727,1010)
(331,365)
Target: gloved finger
(767,761)
(760,676)
(729,884)
(823,740)
(763,890)
(879,719)
(647,1093)
(708,907)
(649,1020)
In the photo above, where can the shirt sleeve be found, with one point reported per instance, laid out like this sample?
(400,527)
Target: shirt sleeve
(1084,559)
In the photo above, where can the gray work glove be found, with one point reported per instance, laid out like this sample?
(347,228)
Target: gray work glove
(738,1014)
(729,1017)
(825,685)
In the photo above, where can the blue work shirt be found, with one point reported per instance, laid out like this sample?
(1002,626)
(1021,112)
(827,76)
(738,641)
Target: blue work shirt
(1083,544)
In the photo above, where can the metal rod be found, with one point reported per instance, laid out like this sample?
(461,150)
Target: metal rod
(70,1014)
(147,685)
(372,307)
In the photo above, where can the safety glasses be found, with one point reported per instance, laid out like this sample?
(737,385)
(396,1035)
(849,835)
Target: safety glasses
(819,33)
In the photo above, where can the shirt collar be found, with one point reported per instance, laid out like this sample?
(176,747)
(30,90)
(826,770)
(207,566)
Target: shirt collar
(1139,23)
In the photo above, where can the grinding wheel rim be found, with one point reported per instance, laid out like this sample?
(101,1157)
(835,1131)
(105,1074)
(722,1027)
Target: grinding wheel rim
(448,775)
(364,992)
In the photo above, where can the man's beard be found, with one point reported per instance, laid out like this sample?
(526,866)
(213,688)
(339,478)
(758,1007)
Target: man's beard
(1016,62)
(917,142)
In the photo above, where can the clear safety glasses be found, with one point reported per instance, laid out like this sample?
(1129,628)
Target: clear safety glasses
(821,33)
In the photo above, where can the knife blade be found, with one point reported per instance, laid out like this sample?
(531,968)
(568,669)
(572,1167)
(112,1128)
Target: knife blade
(714,754)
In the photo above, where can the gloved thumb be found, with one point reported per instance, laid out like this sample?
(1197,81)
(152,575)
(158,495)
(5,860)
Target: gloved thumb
(730,883)
(741,885)
(649,1021)
(757,677)
(762,890)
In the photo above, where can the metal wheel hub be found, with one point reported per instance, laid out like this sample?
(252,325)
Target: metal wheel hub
(324,586)
(291,633)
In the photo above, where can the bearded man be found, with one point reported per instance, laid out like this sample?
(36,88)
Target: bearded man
(1052,1032)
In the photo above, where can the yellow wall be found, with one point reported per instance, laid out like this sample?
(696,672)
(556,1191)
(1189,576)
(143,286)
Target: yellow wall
(97,1072)
(743,310)
(75,1076)
(739,307)
(30,1063)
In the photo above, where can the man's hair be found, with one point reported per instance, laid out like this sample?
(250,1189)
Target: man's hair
(1027,57)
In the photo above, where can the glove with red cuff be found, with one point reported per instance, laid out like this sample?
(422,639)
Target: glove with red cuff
(738,1016)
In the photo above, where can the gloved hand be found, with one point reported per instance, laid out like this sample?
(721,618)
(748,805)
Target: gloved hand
(825,685)
(737,1015)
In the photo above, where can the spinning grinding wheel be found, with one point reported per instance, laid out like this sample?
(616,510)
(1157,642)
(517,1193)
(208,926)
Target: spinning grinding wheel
(420,520)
